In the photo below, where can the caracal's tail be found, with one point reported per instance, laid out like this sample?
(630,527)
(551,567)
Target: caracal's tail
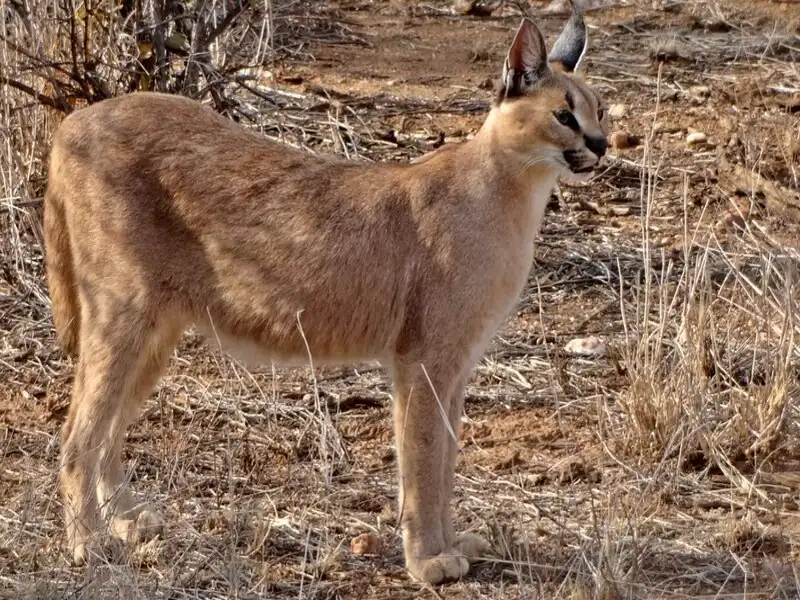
(58,261)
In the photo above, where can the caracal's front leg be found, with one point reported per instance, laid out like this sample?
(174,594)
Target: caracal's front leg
(470,545)
(422,407)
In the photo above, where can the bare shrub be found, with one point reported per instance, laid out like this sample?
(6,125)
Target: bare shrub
(58,56)
(68,54)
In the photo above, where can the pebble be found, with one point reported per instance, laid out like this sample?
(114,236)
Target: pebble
(618,111)
(366,543)
(695,138)
(476,8)
(622,139)
(734,219)
(697,95)
(562,7)
(700,91)
(591,346)
(667,128)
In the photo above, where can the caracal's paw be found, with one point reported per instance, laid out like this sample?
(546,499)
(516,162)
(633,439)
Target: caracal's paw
(97,551)
(473,547)
(447,566)
(138,527)
(80,555)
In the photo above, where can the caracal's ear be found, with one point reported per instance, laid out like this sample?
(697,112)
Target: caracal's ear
(526,62)
(570,47)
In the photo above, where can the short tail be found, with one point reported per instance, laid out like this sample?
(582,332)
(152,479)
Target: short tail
(60,275)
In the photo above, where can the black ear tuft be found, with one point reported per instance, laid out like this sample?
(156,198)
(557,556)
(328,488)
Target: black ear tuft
(526,62)
(570,47)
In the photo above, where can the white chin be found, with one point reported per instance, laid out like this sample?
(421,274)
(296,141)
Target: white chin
(577,176)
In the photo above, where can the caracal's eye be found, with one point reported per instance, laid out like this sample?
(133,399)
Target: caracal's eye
(567,119)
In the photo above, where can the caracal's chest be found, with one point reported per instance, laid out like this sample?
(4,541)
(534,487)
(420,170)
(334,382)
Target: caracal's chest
(513,254)
(522,230)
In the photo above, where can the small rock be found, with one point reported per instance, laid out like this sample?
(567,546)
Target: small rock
(508,460)
(618,139)
(387,515)
(697,95)
(696,138)
(618,111)
(700,91)
(734,219)
(562,7)
(670,95)
(622,139)
(366,543)
(557,7)
(462,7)
(476,8)
(535,478)
(661,127)
(574,469)
(669,48)
(588,346)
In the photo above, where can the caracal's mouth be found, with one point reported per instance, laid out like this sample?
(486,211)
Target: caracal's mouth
(583,172)
(578,163)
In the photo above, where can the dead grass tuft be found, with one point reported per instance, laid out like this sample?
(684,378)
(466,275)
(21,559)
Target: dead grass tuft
(716,369)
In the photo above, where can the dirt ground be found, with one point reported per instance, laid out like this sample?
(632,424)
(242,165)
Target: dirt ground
(265,475)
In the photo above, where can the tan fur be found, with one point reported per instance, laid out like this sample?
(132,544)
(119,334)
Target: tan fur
(160,214)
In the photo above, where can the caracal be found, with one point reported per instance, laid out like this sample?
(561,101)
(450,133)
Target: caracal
(161,214)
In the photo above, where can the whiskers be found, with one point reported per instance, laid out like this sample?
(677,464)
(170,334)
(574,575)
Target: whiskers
(543,157)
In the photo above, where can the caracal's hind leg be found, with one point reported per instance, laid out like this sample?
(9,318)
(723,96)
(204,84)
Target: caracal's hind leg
(80,502)
(422,407)
(470,545)
(111,382)
(132,521)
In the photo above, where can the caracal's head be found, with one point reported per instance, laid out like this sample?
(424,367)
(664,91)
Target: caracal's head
(544,114)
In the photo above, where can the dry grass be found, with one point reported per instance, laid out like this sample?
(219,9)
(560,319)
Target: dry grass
(665,469)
